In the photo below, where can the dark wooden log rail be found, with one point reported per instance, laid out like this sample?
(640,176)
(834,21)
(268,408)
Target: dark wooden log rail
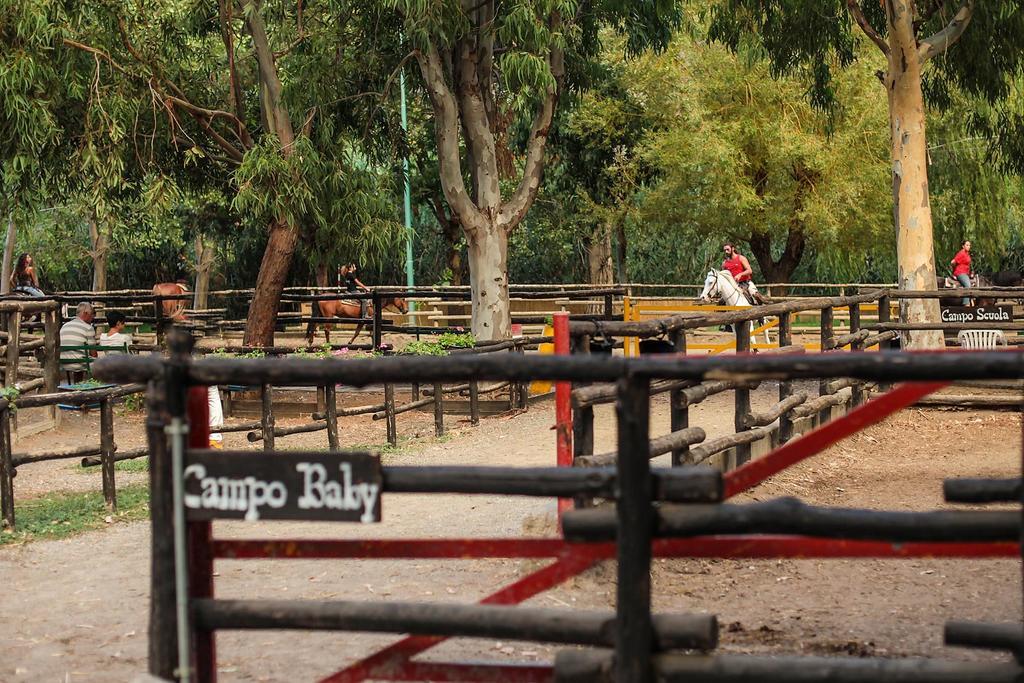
(574,627)
(790,516)
(595,666)
(683,438)
(724,443)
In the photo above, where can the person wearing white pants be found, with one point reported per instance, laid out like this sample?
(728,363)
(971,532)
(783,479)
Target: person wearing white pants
(216,417)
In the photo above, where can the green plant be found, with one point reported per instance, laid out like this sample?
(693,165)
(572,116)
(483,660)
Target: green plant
(10,394)
(255,353)
(134,402)
(424,348)
(453,340)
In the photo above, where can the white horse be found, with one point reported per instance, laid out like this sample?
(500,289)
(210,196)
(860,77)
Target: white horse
(720,285)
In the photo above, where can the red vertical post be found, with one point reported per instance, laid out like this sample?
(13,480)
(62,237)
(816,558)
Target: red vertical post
(563,406)
(200,543)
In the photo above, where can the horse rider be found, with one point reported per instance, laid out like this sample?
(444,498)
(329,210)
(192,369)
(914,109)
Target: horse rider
(347,274)
(739,267)
(962,268)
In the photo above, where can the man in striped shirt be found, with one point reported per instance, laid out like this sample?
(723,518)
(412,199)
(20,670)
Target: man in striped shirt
(78,332)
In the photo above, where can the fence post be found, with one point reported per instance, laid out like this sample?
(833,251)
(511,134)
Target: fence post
(158,315)
(742,395)
(389,413)
(524,386)
(826,334)
(199,542)
(582,418)
(331,407)
(679,410)
(563,406)
(13,353)
(634,632)
(267,416)
(609,307)
(858,388)
(6,469)
(438,409)
(884,316)
(378,320)
(163,618)
(785,385)
(51,340)
(107,454)
(474,403)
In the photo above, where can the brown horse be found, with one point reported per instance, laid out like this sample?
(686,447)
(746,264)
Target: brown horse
(173,309)
(348,308)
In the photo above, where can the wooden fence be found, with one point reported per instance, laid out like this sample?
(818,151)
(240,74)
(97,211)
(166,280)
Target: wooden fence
(105,453)
(668,512)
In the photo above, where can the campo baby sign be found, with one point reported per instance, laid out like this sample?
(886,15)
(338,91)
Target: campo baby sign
(309,486)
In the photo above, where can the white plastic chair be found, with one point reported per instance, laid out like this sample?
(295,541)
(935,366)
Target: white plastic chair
(981,339)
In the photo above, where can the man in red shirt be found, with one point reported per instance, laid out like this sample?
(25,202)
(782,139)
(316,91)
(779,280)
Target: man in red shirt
(962,268)
(739,267)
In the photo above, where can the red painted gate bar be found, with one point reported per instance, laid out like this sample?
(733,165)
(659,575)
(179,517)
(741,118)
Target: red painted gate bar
(563,406)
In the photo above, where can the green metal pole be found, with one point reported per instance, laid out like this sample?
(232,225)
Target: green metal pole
(410,278)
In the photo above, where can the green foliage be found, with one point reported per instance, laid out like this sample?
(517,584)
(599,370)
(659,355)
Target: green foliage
(813,38)
(740,156)
(424,348)
(454,340)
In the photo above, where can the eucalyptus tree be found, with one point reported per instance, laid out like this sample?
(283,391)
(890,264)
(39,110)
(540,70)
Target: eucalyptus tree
(494,72)
(271,99)
(931,48)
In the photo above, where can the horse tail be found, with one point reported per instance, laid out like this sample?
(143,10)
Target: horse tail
(314,312)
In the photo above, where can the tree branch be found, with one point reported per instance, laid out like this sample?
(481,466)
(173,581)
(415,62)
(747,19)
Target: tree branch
(446,126)
(477,131)
(515,208)
(858,15)
(942,40)
(236,88)
(275,110)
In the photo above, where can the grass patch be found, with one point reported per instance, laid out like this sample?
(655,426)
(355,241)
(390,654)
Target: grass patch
(61,515)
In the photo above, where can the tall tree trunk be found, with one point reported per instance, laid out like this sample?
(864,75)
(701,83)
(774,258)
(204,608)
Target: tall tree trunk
(100,242)
(780,270)
(8,264)
(911,209)
(488,282)
(205,256)
(455,265)
(266,298)
(599,255)
(620,252)
(284,236)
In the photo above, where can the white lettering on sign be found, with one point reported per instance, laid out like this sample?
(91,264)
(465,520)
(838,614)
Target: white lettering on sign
(966,315)
(249,494)
(320,492)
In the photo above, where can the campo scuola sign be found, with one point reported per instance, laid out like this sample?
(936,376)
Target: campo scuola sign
(305,486)
(977,314)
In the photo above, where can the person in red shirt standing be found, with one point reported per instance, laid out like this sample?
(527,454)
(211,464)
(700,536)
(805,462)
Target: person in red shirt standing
(739,267)
(962,268)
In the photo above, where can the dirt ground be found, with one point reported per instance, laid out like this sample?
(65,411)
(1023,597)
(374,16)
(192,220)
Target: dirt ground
(76,610)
